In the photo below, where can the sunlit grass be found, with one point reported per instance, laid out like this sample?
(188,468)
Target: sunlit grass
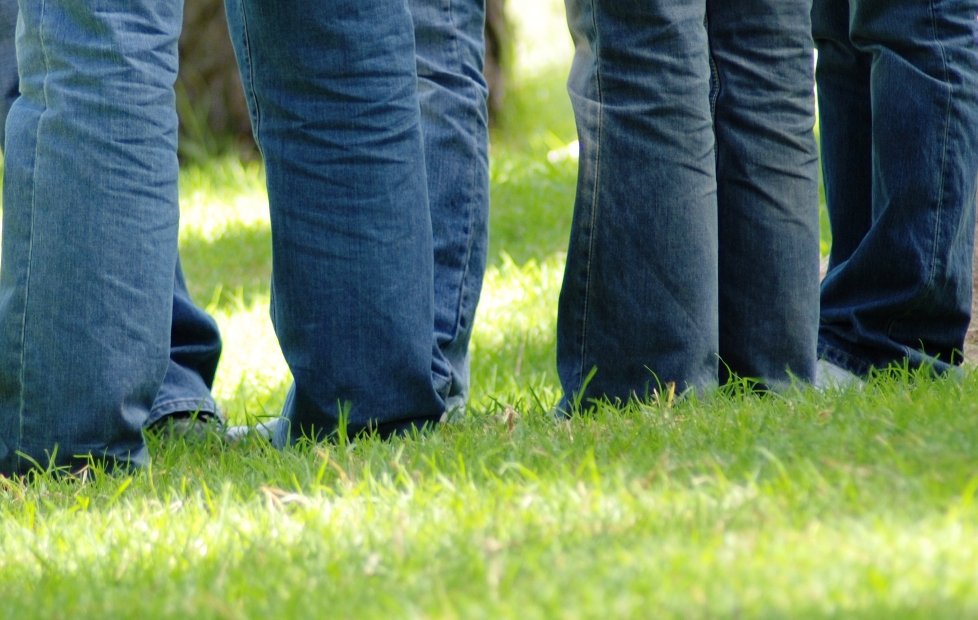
(856,503)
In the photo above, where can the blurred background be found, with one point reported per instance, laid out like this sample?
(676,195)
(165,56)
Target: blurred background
(213,115)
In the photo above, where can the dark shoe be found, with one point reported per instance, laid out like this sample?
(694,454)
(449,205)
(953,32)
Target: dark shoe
(186,425)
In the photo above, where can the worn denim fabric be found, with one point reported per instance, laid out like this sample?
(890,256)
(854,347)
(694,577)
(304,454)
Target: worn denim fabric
(898,99)
(450,46)
(8,60)
(333,94)
(195,340)
(694,245)
(89,230)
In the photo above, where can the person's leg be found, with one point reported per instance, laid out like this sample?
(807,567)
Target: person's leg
(639,297)
(195,345)
(195,348)
(767,186)
(332,91)
(898,94)
(89,230)
(8,60)
(449,36)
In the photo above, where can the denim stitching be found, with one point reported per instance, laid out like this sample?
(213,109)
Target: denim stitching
(944,149)
(249,88)
(30,245)
(596,192)
(714,73)
(467,258)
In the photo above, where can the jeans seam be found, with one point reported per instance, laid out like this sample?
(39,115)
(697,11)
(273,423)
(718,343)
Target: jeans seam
(30,243)
(594,198)
(249,88)
(467,262)
(944,147)
(714,73)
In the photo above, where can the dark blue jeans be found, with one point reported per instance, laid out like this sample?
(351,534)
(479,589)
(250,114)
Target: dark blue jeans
(694,246)
(8,60)
(898,98)
(378,216)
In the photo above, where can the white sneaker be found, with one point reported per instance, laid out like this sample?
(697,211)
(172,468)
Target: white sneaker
(264,430)
(829,376)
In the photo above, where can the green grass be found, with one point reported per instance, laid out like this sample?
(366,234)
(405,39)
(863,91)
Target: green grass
(849,504)
(846,504)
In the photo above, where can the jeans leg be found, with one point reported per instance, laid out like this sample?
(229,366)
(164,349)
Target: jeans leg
(449,36)
(89,230)
(639,297)
(195,348)
(195,345)
(8,60)
(767,178)
(333,95)
(900,288)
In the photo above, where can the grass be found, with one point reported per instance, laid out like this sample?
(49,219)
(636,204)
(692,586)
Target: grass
(848,504)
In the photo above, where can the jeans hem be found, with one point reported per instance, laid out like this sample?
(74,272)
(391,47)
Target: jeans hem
(191,405)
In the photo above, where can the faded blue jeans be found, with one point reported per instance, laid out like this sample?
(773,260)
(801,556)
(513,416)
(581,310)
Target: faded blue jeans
(898,98)
(694,244)
(89,231)
(195,339)
(375,278)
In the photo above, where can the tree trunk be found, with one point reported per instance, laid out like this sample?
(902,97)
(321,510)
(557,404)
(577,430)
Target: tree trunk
(213,114)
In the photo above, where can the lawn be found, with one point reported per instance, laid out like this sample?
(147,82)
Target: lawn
(856,503)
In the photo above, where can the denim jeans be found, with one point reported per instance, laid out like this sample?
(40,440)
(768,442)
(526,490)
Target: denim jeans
(195,342)
(89,230)
(8,60)
(334,97)
(694,245)
(450,48)
(195,349)
(898,98)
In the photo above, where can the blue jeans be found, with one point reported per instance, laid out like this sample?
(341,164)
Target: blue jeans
(195,340)
(373,330)
(694,246)
(195,349)
(450,48)
(8,60)
(89,231)
(898,98)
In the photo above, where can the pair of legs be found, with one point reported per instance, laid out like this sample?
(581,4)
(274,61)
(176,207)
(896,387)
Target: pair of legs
(371,118)
(89,283)
(694,246)
(898,98)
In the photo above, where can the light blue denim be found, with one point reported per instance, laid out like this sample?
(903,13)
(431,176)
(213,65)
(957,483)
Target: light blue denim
(89,230)
(195,339)
(373,329)
(694,244)
(898,99)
